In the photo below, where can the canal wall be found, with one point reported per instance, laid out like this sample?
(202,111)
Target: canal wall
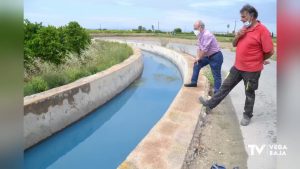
(49,112)
(167,143)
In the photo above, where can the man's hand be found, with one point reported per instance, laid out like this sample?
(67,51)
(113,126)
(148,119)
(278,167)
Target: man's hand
(239,34)
(268,55)
(196,60)
(266,62)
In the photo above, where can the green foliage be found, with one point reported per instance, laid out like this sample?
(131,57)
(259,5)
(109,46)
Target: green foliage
(54,79)
(224,38)
(49,45)
(177,30)
(30,30)
(77,39)
(37,84)
(157,33)
(100,56)
(141,28)
(76,73)
(208,74)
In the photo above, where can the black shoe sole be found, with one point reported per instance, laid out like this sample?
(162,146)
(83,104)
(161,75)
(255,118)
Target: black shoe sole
(189,85)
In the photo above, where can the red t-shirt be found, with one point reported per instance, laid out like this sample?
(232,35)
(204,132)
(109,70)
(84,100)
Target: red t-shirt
(251,48)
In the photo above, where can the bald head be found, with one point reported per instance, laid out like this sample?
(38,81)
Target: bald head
(199,24)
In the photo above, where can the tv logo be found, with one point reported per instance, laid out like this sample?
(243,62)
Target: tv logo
(272,150)
(256,148)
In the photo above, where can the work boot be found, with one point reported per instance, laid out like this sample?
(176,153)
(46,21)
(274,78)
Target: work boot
(245,121)
(204,103)
(191,85)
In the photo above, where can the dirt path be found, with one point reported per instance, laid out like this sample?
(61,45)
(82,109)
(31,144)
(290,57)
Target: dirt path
(218,140)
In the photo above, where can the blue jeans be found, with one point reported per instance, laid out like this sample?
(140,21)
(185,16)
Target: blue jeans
(215,61)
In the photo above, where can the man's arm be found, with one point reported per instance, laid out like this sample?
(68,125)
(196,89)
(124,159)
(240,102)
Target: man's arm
(235,40)
(268,55)
(200,55)
(267,44)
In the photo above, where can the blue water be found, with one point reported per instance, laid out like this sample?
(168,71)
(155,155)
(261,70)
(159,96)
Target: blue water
(103,139)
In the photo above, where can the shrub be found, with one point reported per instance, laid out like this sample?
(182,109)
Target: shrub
(36,85)
(30,31)
(48,45)
(54,79)
(77,38)
(51,44)
(100,56)
(177,30)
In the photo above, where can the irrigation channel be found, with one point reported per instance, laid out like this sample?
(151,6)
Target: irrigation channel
(105,137)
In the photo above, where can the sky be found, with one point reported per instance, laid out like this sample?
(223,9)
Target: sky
(129,14)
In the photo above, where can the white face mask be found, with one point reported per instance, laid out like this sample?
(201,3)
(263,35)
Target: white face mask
(247,24)
(196,32)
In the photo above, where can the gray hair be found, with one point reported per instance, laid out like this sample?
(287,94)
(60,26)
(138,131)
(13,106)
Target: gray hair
(250,9)
(201,24)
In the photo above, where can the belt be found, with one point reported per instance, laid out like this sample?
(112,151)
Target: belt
(213,54)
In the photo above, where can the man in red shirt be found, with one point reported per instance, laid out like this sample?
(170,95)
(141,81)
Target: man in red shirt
(253,47)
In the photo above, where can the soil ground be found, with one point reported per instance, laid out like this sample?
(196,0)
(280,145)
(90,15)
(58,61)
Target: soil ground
(219,140)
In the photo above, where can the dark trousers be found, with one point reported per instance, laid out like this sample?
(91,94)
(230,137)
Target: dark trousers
(215,61)
(235,76)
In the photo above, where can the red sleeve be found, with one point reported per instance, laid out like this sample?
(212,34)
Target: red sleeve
(266,41)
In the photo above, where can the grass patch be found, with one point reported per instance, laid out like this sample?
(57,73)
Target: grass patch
(208,74)
(224,39)
(233,49)
(190,36)
(98,57)
(36,85)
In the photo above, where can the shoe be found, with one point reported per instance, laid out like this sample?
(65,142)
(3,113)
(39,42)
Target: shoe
(204,103)
(245,121)
(191,85)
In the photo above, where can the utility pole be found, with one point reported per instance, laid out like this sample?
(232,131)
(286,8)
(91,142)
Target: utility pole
(234,26)
(228,28)
(158,25)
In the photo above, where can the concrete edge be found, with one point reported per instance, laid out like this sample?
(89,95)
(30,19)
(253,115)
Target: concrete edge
(167,143)
(48,112)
